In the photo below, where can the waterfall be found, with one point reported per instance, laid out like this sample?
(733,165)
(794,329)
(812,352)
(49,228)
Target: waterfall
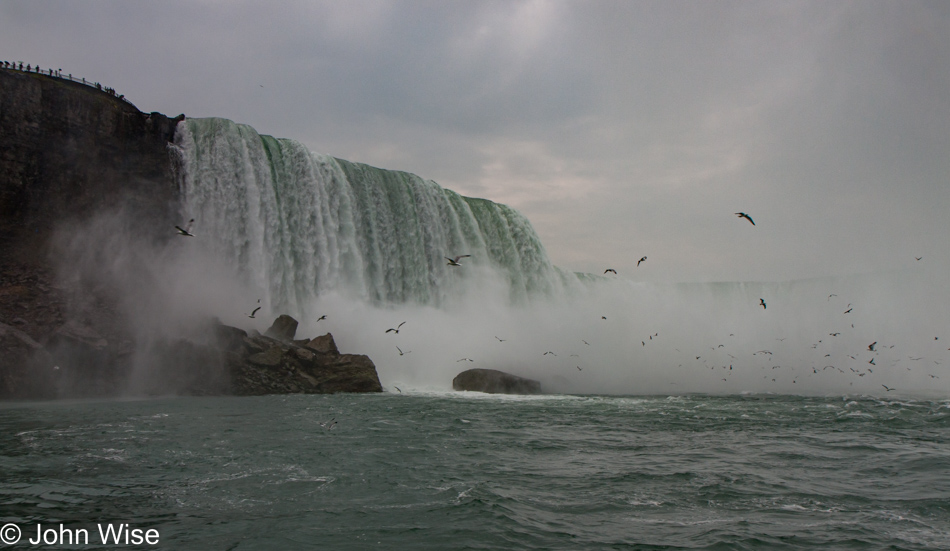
(297,224)
(319,235)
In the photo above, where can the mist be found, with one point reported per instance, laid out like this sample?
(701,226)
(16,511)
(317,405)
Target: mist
(668,338)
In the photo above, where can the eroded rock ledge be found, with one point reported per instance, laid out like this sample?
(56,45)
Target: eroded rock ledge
(76,361)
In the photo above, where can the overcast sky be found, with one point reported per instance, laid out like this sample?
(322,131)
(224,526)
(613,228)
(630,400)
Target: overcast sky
(621,129)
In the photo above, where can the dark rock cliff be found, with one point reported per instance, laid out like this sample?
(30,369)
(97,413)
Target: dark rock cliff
(67,150)
(81,165)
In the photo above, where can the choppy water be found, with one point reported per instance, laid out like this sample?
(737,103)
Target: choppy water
(468,471)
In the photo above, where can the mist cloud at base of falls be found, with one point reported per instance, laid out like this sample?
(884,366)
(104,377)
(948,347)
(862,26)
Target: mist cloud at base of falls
(684,321)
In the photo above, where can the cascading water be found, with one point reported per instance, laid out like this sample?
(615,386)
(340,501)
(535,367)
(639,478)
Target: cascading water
(298,224)
(317,235)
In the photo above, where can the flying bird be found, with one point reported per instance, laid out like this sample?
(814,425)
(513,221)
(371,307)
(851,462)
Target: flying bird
(871,346)
(329,424)
(321,318)
(455,261)
(396,329)
(641,260)
(187,229)
(887,388)
(500,340)
(918,258)
(251,315)
(401,353)
(762,303)
(579,368)
(611,270)
(746,216)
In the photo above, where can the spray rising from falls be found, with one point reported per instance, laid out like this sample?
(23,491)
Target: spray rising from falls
(311,235)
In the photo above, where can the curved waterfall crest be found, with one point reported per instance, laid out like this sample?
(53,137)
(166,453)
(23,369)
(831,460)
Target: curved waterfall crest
(297,224)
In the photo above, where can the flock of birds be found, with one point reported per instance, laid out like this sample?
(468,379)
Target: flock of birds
(853,362)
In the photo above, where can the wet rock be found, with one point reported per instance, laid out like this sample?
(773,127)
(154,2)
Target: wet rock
(323,344)
(283,329)
(493,381)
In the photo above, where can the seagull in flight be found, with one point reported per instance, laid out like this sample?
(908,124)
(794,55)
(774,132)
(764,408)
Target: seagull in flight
(187,229)
(455,261)
(396,329)
(746,216)
(762,303)
(251,315)
(611,270)
(401,353)
(887,388)
(871,346)
(329,424)
(500,340)
(641,260)
(321,318)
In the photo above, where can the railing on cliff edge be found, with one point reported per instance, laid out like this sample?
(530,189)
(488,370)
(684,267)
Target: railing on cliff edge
(58,73)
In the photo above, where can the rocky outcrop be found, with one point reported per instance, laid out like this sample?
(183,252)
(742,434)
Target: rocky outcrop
(261,364)
(220,360)
(493,381)
(284,328)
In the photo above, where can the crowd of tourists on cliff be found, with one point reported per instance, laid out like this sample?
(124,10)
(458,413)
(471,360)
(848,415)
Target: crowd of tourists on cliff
(57,73)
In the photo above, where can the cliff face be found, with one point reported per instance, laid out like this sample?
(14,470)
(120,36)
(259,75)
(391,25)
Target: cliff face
(67,149)
(68,152)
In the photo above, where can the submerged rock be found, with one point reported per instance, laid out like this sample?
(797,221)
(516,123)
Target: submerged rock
(493,381)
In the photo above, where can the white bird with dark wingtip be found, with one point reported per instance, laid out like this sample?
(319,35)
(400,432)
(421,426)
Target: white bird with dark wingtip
(455,261)
(187,229)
